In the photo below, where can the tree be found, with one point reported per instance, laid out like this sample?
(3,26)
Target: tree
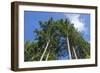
(73,37)
(54,36)
(31,50)
(47,34)
(64,27)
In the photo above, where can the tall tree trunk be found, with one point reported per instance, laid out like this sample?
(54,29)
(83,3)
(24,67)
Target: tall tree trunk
(69,51)
(45,50)
(74,53)
(47,56)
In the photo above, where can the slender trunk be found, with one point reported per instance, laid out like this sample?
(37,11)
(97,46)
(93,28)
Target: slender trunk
(69,51)
(74,53)
(45,50)
(47,56)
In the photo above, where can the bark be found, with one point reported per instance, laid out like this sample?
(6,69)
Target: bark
(45,50)
(74,53)
(69,51)
(47,56)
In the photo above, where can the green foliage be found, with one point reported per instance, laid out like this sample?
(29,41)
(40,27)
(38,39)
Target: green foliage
(54,30)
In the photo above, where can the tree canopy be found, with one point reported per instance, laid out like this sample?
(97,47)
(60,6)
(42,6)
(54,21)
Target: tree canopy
(54,37)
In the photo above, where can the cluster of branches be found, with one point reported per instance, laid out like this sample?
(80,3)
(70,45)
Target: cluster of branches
(53,36)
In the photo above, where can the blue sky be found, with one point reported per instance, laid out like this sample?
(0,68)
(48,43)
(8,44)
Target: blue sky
(31,19)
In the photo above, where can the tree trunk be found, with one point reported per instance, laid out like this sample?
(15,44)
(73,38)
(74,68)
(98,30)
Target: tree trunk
(69,51)
(47,56)
(74,53)
(45,50)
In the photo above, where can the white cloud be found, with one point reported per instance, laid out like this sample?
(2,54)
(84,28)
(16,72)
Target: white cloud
(77,21)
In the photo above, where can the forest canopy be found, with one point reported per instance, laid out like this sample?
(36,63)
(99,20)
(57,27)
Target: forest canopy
(56,40)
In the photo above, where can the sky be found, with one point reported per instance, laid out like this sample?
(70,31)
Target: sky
(31,22)
(31,19)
